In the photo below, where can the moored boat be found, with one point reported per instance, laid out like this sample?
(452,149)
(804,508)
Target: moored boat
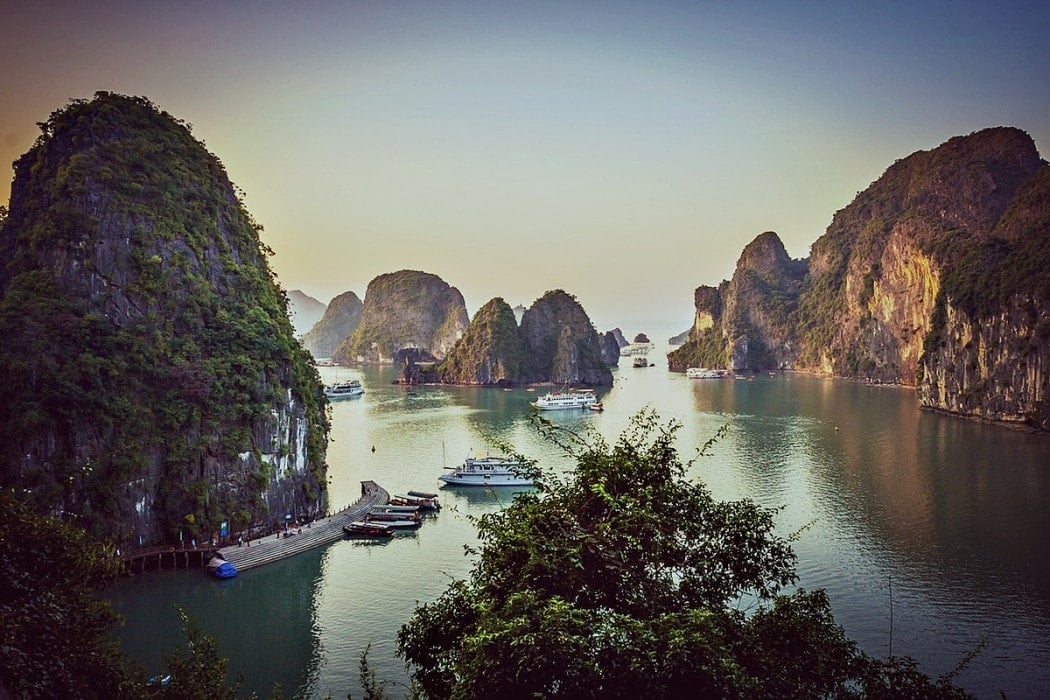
(488,471)
(388,516)
(394,525)
(429,502)
(359,528)
(220,568)
(573,398)
(395,508)
(344,390)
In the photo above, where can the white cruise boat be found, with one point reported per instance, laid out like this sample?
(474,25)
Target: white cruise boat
(573,398)
(487,471)
(344,390)
(705,373)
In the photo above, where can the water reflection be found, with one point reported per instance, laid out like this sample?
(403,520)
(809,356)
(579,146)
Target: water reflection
(265,619)
(949,515)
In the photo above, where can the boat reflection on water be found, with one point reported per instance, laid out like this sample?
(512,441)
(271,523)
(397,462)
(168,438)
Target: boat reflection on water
(487,495)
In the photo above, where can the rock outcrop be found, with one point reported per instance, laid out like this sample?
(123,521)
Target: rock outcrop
(491,353)
(562,344)
(679,339)
(935,277)
(758,303)
(411,370)
(304,311)
(153,387)
(405,309)
(611,347)
(341,318)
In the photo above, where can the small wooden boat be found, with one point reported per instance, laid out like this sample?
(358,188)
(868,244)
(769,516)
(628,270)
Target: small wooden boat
(388,516)
(395,508)
(428,502)
(359,528)
(394,525)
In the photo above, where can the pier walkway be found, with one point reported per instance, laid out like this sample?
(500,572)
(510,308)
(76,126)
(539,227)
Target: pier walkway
(274,547)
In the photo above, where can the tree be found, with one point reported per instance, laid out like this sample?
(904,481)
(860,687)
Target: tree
(54,632)
(627,580)
(199,671)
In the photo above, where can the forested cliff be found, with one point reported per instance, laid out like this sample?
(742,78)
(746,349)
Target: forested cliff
(555,342)
(340,320)
(405,309)
(152,382)
(936,276)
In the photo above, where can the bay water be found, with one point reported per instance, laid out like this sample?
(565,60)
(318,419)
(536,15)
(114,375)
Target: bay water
(928,532)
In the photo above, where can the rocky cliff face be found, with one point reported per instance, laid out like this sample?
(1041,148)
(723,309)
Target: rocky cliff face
(341,318)
(988,349)
(152,382)
(406,309)
(491,353)
(304,310)
(562,344)
(611,347)
(934,276)
(757,303)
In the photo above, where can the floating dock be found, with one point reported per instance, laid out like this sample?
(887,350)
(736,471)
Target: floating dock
(276,546)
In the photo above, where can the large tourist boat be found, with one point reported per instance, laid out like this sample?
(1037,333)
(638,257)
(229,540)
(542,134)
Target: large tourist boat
(344,390)
(488,471)
(573,398)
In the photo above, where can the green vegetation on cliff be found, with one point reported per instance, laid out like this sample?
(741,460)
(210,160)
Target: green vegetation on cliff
(562,343)
(708,349)
(985,272)
(405,309)
(491,352)
(144,340)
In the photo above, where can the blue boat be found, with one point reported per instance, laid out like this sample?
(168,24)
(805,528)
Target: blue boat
(221,568)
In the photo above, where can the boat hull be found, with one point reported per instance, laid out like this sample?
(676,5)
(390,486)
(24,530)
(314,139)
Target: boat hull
(367,530)
(459,479)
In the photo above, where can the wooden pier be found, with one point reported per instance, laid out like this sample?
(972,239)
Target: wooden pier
(267,549)
(275,547)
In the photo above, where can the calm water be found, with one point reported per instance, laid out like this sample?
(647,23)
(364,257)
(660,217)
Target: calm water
(945,520)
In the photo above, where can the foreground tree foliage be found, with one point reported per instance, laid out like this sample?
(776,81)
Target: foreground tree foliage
(628,580)
(54,633)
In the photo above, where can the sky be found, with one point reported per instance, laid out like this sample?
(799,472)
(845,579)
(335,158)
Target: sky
(625,152)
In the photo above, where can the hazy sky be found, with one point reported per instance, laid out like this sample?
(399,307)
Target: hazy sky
(623,151)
